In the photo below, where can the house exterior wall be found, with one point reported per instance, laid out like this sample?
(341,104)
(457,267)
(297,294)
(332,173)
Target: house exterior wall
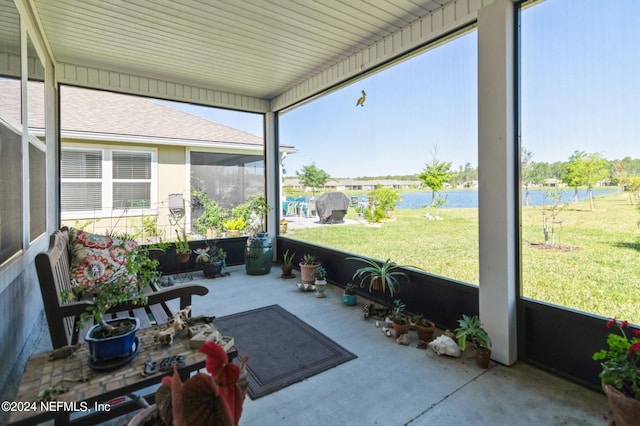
(170,176)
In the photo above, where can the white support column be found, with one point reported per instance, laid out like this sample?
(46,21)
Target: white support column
(496,169)
(272,164)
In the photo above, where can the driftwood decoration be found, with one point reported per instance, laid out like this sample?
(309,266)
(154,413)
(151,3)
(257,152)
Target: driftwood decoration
(175,325)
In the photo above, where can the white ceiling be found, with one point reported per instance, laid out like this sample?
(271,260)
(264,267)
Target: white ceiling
(255,48)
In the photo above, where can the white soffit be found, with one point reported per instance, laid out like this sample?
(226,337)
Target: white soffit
(255,55)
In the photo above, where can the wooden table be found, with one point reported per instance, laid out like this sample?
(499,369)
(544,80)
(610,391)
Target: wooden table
(104,395)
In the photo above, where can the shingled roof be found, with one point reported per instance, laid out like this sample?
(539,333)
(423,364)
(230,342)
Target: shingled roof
(85,112)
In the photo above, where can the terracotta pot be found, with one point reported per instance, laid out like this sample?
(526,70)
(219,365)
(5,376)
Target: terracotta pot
(626,410)
(287,271)
(400,329)
(376,284)
(306,273)
(184,257)
(349,299)
(425,333)
(482,358)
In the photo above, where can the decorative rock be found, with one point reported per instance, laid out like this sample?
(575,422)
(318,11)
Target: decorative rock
(195,329)
(386,331)
(403,339)
(450,333)
(445,345)
(204,336)
(377,324)
(226,342)
(63,352)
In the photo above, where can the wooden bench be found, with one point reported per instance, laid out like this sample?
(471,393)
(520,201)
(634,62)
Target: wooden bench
(53,268)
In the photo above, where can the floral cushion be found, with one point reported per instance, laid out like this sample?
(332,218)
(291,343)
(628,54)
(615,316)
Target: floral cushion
(96,259)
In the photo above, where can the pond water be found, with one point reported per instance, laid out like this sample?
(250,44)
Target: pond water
(469,198)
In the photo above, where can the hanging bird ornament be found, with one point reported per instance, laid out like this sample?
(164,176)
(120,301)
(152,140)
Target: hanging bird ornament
(362,99)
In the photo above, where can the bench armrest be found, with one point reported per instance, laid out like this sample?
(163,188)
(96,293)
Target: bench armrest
(182,292)
(74,309)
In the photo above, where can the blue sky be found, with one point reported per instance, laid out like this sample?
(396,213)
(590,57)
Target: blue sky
(580,91)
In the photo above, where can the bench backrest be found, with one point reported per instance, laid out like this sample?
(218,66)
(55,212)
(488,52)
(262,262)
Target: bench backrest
(53,274)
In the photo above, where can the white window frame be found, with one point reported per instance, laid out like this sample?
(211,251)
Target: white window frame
(107,181)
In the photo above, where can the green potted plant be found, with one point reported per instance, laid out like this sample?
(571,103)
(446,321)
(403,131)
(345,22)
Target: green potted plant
(183,251)
(384,277)
(399,319)
(234,226)
(307,265)
(109,339)
(349,296)
(620,373)
(211,259)
(424,327)
(320,280)
(287,264)
(470,330)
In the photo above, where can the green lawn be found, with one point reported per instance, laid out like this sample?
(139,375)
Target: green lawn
(598,272)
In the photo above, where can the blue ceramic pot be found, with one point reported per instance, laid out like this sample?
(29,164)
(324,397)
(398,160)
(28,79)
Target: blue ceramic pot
(349,299)
(102,349)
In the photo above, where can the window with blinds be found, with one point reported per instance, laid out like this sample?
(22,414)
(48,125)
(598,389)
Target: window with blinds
(131,179)
(81,180)
(100,181)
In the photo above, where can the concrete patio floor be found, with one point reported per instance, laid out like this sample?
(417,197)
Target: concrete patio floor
(390,384)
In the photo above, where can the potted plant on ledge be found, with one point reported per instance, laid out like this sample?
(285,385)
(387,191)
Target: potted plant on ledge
(349,296)
(471,330)
(320,274)
(287,264)
(212,260)
(308,264)
(424,327)
(620,373)
(183,251)
(384,277)
(234,226)
(399,319)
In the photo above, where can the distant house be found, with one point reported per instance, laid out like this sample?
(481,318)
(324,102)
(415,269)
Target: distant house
(353,184)
(123,157)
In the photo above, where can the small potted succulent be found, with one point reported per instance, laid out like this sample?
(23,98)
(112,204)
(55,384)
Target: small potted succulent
(320,275)
(287,264)
(471,330)
(424,327)
(211,259)
(399,320)
(349,296)
(183,251)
